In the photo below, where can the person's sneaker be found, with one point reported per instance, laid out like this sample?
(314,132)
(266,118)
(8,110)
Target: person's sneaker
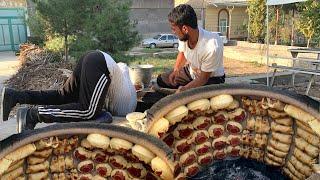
(8,101)
(103,117)
(21,119)
(24,121)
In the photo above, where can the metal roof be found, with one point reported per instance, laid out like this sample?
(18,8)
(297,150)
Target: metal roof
(236,3)
(278,2)
(239,3)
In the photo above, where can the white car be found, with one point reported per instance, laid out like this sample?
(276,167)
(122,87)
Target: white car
(224,38)
(161,40)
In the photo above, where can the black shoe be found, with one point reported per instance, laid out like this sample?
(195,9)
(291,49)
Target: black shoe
(21,119)
(8,101)
(27,119)
(103,117)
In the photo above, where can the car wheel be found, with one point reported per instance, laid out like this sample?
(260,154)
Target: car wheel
(175,45)
(152,46)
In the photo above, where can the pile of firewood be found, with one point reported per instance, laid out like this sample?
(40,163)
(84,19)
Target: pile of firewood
(39,70)
(30,54)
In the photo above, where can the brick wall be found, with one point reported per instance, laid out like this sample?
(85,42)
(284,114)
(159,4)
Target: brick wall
(151,16)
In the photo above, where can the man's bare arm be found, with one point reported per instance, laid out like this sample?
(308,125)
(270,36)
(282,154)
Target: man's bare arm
(180,61)
(200,80)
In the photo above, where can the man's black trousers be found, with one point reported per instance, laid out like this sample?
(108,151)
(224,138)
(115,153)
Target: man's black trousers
(81,98)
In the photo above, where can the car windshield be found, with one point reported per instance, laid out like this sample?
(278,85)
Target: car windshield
(157,36)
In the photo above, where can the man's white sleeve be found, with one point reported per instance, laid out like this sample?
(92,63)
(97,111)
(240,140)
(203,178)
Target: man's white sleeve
(181,47)
(210,61)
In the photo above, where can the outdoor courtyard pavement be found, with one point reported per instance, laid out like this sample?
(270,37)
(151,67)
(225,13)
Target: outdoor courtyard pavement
(8,66)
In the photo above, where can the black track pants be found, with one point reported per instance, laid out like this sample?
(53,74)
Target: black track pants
(83,95)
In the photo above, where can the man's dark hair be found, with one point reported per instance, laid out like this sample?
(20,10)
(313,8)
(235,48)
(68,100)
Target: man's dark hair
(183,14)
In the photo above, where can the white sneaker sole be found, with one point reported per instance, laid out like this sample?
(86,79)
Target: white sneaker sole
(1,106)
(21,119)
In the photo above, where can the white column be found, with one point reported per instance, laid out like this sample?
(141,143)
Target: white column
(230,17)
(268,46)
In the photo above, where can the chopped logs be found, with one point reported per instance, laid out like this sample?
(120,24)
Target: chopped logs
(263,129)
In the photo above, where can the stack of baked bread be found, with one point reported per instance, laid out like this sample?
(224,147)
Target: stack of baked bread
(95,156)
(205,131)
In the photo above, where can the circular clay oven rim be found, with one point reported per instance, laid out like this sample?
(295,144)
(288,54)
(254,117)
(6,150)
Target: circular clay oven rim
(155,145)
(165,105)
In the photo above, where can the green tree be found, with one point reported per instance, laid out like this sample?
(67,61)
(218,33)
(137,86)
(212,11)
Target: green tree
(306,28)
(280,24)
(289,28)
(37,26)
(64,18)
(309,20)
(84,25)
(108,28)
(257,14)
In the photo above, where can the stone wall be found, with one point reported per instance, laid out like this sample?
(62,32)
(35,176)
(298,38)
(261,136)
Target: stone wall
(152,3)
(274,50)
(151,16)
(150,21)
(255,52)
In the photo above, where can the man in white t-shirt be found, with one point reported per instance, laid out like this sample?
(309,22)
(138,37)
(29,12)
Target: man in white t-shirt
(200,58)
(96,82)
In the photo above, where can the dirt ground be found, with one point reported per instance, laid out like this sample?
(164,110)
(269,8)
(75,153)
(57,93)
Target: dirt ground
(301,88)
(240,68)
(301,84)
(233,67)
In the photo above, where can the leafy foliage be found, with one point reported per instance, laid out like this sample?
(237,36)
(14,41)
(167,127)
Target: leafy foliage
(309,21)
(81,25)
(37,26)
(56,43)
(284,24)
(63,17)
(109,28)
(257,13)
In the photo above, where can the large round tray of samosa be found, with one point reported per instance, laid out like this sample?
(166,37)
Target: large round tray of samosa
(218,122)
(84,151)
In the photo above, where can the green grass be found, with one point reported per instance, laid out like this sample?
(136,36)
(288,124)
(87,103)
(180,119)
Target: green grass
(160,64)
(149,50)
